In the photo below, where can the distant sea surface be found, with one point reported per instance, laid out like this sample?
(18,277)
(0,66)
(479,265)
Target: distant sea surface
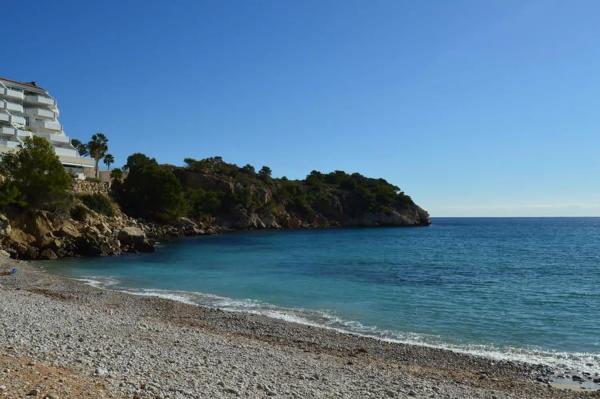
(514,288)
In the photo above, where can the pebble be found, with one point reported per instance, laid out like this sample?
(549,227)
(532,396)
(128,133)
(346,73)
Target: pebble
(178,360)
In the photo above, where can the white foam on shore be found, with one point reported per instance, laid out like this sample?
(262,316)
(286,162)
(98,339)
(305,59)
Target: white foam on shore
(576,361)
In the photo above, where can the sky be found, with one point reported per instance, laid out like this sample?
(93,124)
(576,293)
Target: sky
(473,108)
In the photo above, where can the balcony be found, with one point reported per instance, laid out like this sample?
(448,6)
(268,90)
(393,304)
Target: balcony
(7,131)
(12,94)
(56,138)
(4,116)
(47,125)
(40,113)
(66,152)
(11,107)
(9,144)
(39,100)
(18,121)
(23,134)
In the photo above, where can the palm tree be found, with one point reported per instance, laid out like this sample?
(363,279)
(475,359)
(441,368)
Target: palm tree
(108,160)
(97,148)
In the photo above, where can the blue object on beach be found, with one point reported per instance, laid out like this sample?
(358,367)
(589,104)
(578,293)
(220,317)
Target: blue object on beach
(13,270)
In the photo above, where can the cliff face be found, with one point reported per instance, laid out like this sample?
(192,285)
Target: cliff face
(215,197)
(47,235)
(242,199)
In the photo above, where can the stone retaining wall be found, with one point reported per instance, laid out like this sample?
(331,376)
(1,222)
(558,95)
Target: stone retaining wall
(90,187)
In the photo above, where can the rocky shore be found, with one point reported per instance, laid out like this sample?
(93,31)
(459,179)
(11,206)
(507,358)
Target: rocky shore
(37,234)
(64,339)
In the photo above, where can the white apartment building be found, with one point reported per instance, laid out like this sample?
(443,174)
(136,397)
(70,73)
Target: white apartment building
(25,110)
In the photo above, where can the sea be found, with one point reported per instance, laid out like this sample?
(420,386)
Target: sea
(525,289)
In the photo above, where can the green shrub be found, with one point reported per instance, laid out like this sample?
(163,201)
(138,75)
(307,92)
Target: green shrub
(116,174)
(34,177)
(79,212)
(151,191)
(201,202)
(99,203)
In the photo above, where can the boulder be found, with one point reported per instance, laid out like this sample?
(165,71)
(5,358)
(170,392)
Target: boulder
(5,227)
(131,235)
(39,225)
(95,245)
(69,230)
(48,254)
(134,238)
(189,227)
(18,236)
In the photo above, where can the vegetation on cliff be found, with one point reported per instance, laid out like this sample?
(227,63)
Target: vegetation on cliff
(240,197)
(42,217)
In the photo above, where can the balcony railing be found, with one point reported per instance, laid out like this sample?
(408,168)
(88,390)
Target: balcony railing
(9,144)
(8,130)
(39,100)
(11,107)
(40,113)
(67,152)
(60,138)
(11,131)
(12,94)
(49,125)
(4,116)
(22,134)
(19,121)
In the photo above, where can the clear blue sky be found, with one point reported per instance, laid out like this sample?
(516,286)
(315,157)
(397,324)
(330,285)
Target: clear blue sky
(471,107)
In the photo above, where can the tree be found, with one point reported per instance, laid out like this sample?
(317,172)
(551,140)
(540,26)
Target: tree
(97,148)
(264,172)
(34,177)
(137,161)
(80,147)
(151,191)
(108,160)
(116,174)
(249,169)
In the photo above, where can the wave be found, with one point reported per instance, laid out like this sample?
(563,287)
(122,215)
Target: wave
(575,361)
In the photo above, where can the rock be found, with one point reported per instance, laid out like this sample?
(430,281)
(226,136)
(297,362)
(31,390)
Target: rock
(135,238)
(4,254)
(232,391)
(69,230)
(33,392)
(94,245)
(189,227)
(18,236)
(39,225)
(596,380)
(100,372)
(577,378)
(48,254)
(5,226)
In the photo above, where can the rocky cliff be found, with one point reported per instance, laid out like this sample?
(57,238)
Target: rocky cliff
(47,235)
(240,198)
(204,197)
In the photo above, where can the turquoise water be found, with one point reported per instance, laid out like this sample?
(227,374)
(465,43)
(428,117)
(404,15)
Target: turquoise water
(522,288)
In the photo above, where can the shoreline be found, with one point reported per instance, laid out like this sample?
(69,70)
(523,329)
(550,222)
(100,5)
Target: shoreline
(554,360)
(255,355)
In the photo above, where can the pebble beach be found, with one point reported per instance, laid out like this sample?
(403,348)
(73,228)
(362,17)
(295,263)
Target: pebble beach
(64,339)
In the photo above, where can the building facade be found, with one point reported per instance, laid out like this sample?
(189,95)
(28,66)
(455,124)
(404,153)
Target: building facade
(27,110)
